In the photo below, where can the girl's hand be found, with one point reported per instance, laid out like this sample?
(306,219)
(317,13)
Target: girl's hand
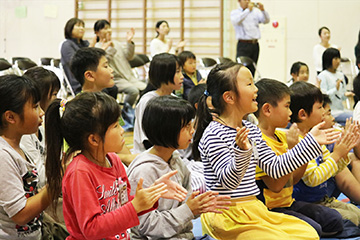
(174,190)
(292,136)
(130,35)
(241,138)
(106,44)
(325,136)
(181,44)
(93,41)
(145,198)
(207,202)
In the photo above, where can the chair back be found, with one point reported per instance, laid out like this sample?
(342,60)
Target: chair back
(144,57)
(223,60)
(137,61)
(45,61)
(25,64)
(207,62)
(4,64)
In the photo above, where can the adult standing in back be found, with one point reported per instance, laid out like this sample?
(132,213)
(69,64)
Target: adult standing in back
(246,21)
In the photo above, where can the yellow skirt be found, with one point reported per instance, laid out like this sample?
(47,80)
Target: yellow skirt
(249,218)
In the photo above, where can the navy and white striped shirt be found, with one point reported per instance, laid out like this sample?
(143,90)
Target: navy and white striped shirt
(231,171)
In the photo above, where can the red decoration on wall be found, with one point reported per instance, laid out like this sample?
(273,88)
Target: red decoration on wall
(275,24)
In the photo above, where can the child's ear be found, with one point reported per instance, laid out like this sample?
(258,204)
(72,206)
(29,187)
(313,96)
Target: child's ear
(89,76)
(229,97)
(94,140)
(266,109)
(302,114)
(10,117)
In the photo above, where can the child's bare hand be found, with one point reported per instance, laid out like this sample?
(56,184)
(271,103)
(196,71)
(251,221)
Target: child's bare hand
(207,202)
(292,136)
(325,136)
(347,142)
(241,138)
(174,190)
(145,198)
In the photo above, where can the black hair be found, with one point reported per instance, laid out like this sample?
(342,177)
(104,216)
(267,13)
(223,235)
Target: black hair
(100,24)
(46,81)
(15,92)
(356,86)
(185,55)
(157,25)
(69,26)
(322,28)
(222,78)
(326,100)
(195,93)
(85,59)
(303,96)
(163,119)
(270,91)
(162,69)
(88,113)
(327,57)
(295,68)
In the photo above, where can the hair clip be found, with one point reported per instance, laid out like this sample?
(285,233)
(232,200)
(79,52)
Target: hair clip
(62,107)
(206,93)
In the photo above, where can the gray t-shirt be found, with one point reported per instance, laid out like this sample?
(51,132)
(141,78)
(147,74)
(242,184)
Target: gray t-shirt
(19,179)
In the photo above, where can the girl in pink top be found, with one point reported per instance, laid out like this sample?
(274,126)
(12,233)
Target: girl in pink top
(96,191)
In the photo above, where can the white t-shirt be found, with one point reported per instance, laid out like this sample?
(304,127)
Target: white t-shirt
(157,46)
(317,55)
(139,135)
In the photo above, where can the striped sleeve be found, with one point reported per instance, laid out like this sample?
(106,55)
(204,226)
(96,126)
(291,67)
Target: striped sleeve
(278,166)
(228,162)
(343,163)
(316,174)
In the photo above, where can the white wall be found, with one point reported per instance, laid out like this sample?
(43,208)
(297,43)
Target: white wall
(38,36)
(35,36)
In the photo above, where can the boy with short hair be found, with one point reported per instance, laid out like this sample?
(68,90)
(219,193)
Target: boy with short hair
(307,109)
(274,112)
(192,77)
(91,68)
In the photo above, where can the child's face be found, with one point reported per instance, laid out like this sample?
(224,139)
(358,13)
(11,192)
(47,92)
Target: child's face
(32,117)
(78,31)
(51,97)
(185,136)
(114,140)
(280,115)
(336,62)
(246,91)
(103,75)
(178,78)
(328,118)
(104,33)
(303,73)
(190,66)
(317,114)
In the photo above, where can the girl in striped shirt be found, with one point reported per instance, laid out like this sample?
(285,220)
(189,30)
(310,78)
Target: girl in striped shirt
(230,148)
